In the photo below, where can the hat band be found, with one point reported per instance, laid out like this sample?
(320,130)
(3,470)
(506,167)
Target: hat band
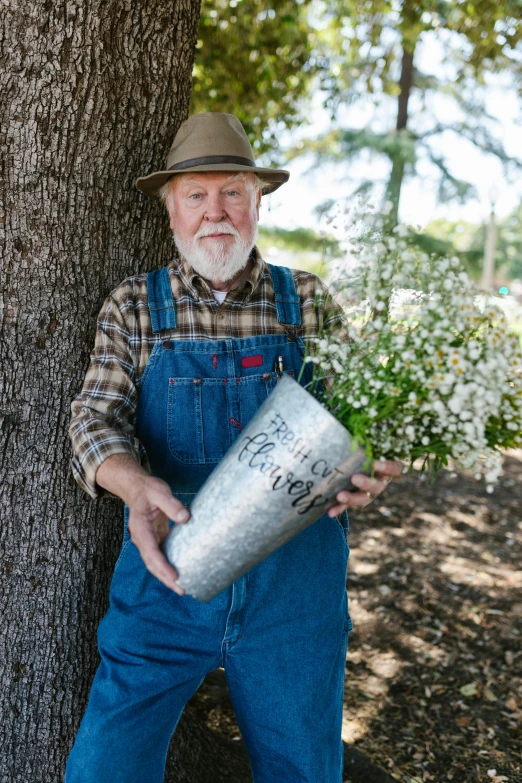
(209,159)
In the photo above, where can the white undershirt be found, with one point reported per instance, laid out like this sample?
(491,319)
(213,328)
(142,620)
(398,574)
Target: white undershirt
(220,295)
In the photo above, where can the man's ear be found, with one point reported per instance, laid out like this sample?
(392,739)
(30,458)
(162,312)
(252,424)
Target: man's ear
(169,203)
(170,208)
(259,195)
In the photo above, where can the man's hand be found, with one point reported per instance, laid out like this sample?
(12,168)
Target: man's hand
(369,487)
(151,505)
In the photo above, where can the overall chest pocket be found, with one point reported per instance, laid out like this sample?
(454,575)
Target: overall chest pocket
(252,392)
(204,415)
(187,398)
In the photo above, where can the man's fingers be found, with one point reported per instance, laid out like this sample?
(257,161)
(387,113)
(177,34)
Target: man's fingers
(171,506)
(369,487)
(354,500)
(375,486)
(388,468)
(155,561)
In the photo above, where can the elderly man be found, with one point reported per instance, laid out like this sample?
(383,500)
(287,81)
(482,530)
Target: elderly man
(160,406)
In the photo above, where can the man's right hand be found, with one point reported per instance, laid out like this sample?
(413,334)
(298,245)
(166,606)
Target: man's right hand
(151,505)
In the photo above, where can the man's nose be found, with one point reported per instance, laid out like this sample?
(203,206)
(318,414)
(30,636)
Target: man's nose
(215,210)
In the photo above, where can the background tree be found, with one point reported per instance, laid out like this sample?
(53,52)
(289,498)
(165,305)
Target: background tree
(374,48)
(313,249)
(265,60)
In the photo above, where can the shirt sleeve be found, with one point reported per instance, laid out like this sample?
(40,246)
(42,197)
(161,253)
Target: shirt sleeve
(103,414)
(334,317)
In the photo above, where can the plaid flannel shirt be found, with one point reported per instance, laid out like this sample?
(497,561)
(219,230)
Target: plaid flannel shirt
(103,414)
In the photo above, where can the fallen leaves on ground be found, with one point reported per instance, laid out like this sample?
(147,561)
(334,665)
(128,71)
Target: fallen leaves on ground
(434,672)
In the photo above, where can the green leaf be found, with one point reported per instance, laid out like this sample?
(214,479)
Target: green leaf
(469,690)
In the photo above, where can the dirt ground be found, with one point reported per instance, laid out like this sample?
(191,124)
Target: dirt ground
(433,689)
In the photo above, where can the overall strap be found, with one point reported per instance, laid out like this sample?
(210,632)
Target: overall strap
(162,306)
(288,303)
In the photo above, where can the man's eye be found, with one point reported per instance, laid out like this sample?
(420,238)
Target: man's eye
(233,193)
(195,196)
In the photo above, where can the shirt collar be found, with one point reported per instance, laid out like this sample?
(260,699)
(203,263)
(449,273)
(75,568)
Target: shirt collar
(196,285)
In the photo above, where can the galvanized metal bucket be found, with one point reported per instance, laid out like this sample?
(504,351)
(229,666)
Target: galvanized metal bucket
(282,474)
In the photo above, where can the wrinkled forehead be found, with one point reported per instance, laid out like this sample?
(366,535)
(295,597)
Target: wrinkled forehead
(213,177)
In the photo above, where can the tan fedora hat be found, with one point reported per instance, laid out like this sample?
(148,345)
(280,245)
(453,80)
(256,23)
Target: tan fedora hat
(210,141)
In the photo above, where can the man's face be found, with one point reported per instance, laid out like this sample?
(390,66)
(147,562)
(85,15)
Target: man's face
(214,217)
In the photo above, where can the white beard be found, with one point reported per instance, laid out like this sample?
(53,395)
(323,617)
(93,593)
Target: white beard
(219,262)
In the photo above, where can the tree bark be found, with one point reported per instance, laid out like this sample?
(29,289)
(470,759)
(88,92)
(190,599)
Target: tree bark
(93,92)
(393,191)
(405,83)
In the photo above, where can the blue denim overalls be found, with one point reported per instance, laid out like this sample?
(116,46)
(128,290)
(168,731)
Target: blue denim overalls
(280,631)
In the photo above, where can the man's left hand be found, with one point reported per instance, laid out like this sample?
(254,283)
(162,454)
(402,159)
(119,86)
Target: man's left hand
(368,488)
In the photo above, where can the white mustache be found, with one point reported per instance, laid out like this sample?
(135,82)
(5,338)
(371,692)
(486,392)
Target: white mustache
(219,228)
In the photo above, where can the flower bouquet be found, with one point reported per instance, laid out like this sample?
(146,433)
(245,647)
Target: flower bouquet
(426,367)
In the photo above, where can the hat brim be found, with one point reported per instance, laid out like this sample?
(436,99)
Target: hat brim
(274,178)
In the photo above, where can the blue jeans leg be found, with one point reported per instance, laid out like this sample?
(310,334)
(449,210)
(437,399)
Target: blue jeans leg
(126,730)
(156,648)
(289,708)
(285,660)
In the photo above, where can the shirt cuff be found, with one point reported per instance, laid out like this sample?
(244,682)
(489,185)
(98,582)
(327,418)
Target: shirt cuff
(84,472)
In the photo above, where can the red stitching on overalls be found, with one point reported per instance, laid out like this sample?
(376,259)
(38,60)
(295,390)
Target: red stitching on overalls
(235,423)
(231,641)
(171,380)
(225,380)
(214,360)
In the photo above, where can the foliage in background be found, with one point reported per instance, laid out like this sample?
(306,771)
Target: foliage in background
(373,51)
(300,248)
(263,60)
(442,237)
(509,248)
(301,240)
(467,240)
(254,59)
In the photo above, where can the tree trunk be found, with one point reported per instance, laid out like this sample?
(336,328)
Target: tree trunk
(93,93)
(393,191)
